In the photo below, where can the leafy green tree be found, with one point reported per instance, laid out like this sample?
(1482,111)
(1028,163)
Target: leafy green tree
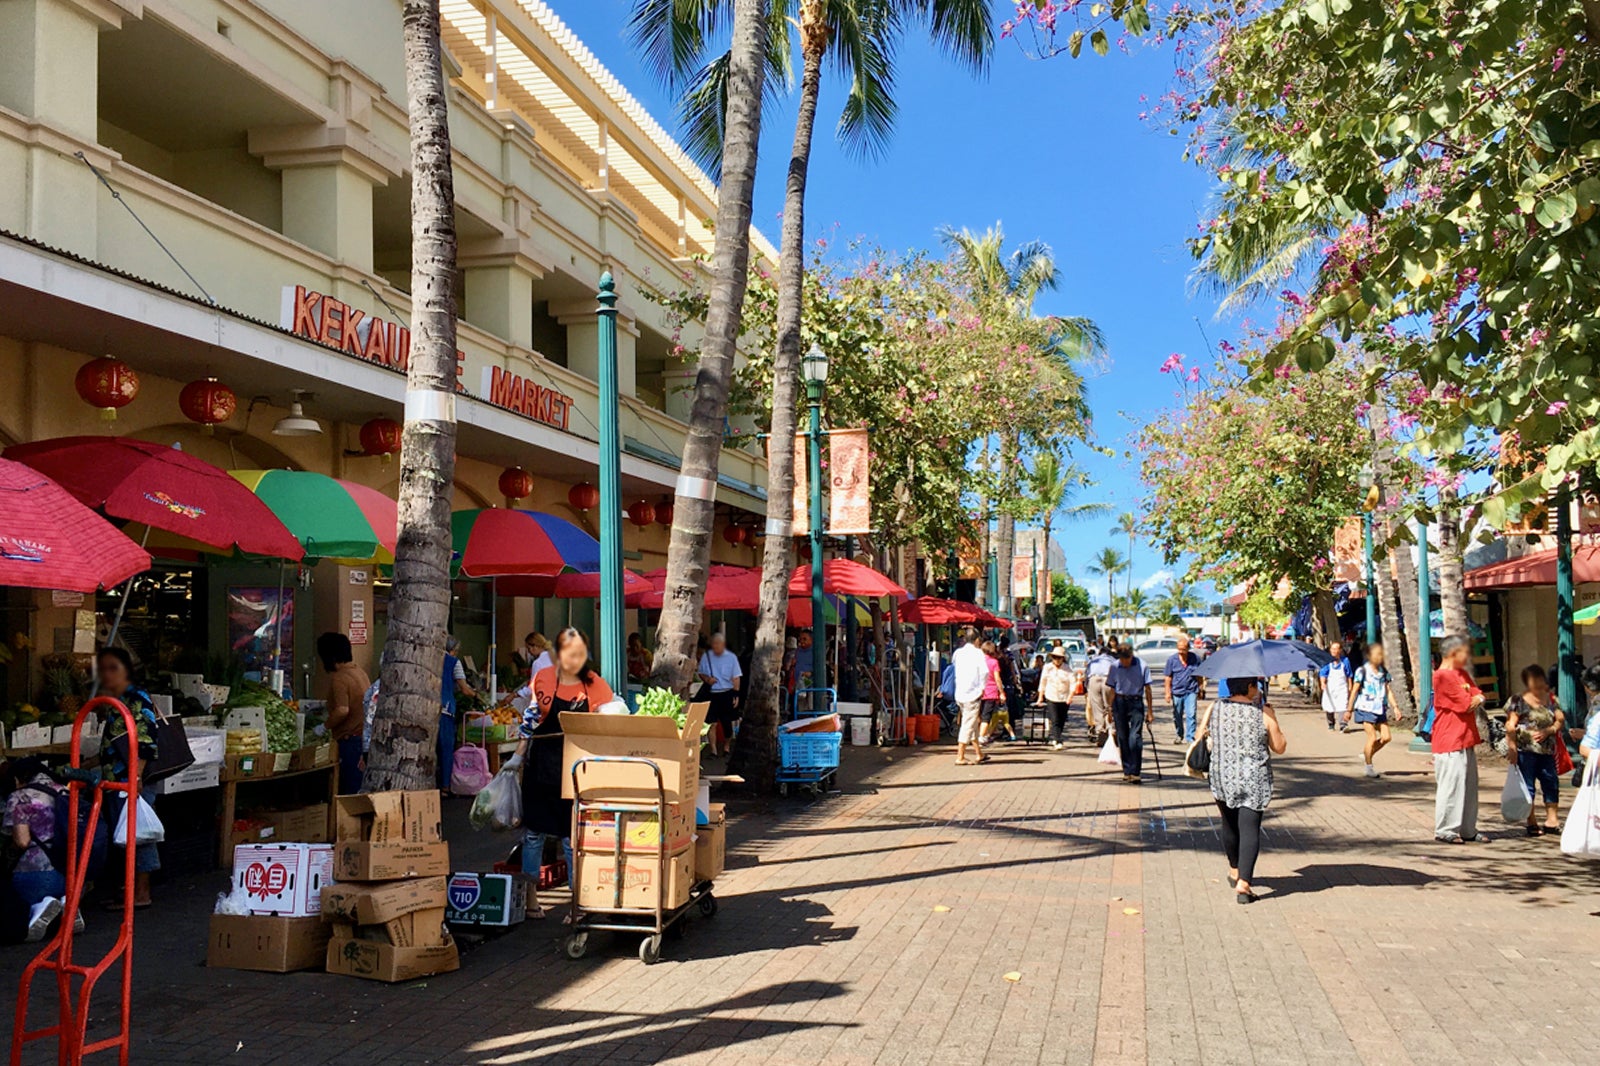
(1176,599)
(1108,564)
(1051,486)
(1128,526)
(1067,600)
(1260,609)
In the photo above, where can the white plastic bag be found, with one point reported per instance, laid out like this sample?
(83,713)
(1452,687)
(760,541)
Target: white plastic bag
(499,805)
(1109,755)
(149,831)
(1516,802)
(236,902)
(1581,835)
(469,771)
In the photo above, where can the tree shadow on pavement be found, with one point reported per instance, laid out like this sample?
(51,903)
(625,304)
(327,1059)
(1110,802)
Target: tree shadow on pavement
(1318,877)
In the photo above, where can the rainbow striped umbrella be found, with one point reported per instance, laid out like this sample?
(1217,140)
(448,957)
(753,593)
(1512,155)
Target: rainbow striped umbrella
(502,541)
(331,518)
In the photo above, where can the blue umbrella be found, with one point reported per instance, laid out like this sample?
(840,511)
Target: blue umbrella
(1436,625)
(1262,658)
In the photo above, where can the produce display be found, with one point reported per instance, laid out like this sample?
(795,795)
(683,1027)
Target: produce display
(283,732)
(505,714)
(664,703)
(244,742)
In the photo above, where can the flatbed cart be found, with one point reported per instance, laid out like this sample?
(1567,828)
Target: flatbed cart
(654,922)
(810,760)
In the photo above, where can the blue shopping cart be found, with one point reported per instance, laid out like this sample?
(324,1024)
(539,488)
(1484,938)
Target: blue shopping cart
(809,760)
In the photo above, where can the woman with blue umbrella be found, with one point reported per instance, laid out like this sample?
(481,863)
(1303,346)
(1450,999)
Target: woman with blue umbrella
(1243,734)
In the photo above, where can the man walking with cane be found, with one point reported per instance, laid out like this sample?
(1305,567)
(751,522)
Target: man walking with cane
(1132,700)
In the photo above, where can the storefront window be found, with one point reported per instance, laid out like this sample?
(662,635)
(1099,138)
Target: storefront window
(164,625)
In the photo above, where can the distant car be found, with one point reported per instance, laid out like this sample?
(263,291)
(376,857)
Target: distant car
(1206,645)
(1155,652)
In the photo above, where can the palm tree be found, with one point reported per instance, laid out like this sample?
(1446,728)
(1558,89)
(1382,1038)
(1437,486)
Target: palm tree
(1136,603)
(1176,600)
(1010,284)
(1108,564)
(1128,525)
(694,503)
(1051,486)
(863,35)
(402,754)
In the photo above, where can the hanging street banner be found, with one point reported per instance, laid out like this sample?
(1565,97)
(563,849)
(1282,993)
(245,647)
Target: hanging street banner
(1022,577)
(800,501)
(850,509)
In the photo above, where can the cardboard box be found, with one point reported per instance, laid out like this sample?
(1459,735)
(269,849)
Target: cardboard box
(354,861)
(206,745)
(377,961)
(710,850)
(284,879)
(310,757)
(486,899)
(198,776)
(419,929)
(640,832)
(389,818)
(642,877)
(302,825)
(361,904)
(256,764)
(634,736)
(263,942)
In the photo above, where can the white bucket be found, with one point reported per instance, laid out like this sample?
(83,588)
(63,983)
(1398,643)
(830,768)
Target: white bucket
(860,731)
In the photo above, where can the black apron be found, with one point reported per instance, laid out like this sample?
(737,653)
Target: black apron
(544,771)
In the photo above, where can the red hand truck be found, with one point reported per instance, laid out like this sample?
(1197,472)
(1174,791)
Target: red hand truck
(72,1021)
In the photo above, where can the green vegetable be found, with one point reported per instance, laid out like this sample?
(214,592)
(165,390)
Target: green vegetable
(282,731)
(663,703)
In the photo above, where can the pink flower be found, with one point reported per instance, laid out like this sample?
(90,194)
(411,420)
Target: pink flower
(1556,408)
(1194,374)
(1173,364)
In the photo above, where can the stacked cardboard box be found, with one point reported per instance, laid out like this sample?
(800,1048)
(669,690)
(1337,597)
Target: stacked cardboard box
(388,902)
(711,845)
(603,880)
(283,884)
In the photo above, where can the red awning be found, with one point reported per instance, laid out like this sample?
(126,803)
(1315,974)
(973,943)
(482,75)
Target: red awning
(1535,568)
(932,611)
(844,577)
(728,588)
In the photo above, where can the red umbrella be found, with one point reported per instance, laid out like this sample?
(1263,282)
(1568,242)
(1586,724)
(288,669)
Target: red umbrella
(931,611)
(728,588)
(570,586)
(162,488)
(48,540)
(846,578)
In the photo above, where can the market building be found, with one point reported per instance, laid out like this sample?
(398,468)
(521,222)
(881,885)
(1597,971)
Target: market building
(245,217)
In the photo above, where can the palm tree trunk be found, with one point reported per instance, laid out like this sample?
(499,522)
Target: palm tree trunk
(1043,592)
(755,754)
(1452,576)
(1413,614)
(402,753)
(1394,646)
(1006,526)
(694,502)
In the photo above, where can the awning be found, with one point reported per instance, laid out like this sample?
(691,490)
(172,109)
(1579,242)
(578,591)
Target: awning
(1534,569)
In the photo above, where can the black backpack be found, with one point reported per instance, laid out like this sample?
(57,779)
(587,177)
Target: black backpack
(55,849)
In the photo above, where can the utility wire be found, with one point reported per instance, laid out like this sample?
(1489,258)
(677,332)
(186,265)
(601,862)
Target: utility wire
(117,196)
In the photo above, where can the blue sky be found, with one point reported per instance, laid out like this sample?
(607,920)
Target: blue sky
(1052,149)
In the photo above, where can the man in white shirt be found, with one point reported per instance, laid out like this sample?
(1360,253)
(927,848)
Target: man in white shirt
(971,666)
(719,668)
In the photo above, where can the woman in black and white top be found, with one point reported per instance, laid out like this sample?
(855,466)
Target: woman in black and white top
(1244,735)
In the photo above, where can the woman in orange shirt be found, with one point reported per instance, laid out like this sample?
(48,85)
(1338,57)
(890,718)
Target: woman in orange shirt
(570,684)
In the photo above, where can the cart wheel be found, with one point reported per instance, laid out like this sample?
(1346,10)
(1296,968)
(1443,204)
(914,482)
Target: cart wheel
(575,945)
(708,905)
(650,950)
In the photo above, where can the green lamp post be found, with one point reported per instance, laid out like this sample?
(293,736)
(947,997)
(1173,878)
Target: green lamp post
(1566,635)
(814,369)
(1425,637)
(613,661)
(1368,483)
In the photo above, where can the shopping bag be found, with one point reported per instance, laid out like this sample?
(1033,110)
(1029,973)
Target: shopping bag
(1197,760)
(499,805)
(149,831)
(1581,835)
(1516,802)
(1563,757)
(469,771)
(1109,754)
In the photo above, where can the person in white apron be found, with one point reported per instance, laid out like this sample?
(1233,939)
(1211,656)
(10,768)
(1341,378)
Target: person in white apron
(1335,674)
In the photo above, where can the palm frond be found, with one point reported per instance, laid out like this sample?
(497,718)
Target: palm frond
(866,34)
(1031,270)
(703,114)
(961,29)
(671,36)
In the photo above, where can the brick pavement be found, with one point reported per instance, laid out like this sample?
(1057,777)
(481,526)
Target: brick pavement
(877,927)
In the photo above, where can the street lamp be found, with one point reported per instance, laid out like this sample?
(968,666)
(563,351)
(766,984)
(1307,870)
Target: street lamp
(814,369)
(1368,484)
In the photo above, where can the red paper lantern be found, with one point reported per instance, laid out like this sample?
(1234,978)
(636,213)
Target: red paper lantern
(515,483)
(664,513)
(735,534)
(583,496)
(380,436)
(107,383)
(208,402)
(642,513)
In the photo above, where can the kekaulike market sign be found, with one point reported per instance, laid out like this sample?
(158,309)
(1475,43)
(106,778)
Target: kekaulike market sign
(374,339)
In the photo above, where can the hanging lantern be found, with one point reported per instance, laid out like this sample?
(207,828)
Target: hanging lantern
(642,513)
(380,436)
(515,483)
(735,534)
(583,496)
(107,383)
(208,402)
(664,513)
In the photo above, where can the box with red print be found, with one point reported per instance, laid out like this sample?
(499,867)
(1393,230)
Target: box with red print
(284,879)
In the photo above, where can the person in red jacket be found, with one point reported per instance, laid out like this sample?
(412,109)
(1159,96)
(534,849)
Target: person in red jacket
(1456,700)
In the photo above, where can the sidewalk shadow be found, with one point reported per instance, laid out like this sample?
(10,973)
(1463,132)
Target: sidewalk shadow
(1319,877)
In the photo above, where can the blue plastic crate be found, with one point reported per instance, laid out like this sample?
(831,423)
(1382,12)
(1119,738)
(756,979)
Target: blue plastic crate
(818,750)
